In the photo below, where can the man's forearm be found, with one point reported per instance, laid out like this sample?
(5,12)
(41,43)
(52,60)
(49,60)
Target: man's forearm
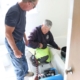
(25,37)
(11,41)
(33,44)
(55,45)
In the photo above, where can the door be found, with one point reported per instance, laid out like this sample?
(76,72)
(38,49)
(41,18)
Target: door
(74,48)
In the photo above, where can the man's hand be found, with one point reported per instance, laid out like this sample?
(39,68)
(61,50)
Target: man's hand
(26,42)
(18,54)
(59,48)
(40,45)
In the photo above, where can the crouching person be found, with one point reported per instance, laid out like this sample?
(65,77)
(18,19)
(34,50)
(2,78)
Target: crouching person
(39,38)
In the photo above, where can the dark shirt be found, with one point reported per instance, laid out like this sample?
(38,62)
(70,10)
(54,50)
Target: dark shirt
(37,37)
(16,17)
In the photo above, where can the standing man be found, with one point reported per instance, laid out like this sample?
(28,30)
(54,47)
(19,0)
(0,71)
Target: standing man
(15,22)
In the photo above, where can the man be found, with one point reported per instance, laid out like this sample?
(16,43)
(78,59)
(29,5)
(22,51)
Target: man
(15,22)
(41,36)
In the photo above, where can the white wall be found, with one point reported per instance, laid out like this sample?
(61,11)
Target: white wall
(2,32)
(4,5)
(55,10)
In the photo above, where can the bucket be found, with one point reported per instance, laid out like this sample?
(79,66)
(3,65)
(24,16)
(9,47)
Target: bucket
(56,77)
(63,51)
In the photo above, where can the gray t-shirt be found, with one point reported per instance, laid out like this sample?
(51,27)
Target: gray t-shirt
(16,17)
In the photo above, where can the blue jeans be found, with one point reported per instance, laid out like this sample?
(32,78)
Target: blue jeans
(20,64)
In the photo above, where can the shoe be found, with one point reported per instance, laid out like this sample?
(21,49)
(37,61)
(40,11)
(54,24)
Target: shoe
(29,74)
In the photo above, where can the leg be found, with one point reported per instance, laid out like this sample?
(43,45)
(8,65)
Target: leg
(20,64)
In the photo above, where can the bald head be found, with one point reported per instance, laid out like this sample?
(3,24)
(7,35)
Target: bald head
(28,5)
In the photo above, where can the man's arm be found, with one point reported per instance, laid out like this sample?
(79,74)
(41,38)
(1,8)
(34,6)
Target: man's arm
(33,42)
(11,20)
(25,39)
(53,43)
(8,33)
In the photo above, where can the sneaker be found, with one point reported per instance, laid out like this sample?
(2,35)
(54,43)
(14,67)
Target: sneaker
(30,74)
